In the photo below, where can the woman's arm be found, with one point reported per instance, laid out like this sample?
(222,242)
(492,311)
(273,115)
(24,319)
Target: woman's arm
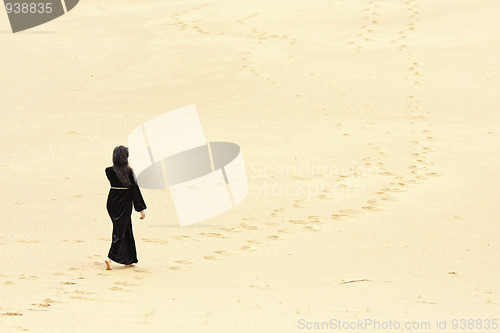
(138,200)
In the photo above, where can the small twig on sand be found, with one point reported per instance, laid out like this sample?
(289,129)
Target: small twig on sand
(352,281)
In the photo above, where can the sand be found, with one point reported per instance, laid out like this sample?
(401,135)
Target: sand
(369,129)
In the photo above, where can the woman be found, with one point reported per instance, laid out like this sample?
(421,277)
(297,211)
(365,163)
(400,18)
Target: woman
(123,193)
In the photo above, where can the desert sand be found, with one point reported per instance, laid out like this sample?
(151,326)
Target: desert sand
(370,133)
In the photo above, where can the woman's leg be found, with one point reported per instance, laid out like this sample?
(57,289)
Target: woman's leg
(108,264)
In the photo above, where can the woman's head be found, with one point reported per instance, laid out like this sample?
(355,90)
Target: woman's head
(120,165)
(120,155)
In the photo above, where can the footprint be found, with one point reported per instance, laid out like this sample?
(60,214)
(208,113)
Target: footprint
(116,288)
(249,227)
(270,223)
(176,267)
(156,241)
(212,234)
(224,252)
(387,197)
(371,208)
(394,189)
(277,212)
(183,237)
(82,292)
(41,305)
(37,309)
(49,300)
(433,174)
(349,211)
(212,258)
(29,241)
(83,298)
(230,229)
(126,283)
(311,228)
(298,221)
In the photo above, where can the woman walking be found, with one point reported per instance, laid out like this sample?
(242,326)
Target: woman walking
(123,194)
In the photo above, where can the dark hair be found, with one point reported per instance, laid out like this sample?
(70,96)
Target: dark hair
(120,165)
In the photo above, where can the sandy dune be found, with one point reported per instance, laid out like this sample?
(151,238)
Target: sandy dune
(369,129)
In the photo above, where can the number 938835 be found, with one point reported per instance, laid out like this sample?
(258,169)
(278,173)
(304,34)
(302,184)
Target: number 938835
(28,8)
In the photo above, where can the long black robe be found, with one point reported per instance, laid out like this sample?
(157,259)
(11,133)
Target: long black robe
(119,206)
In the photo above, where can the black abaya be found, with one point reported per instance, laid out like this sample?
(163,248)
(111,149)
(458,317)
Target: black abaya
(119,206)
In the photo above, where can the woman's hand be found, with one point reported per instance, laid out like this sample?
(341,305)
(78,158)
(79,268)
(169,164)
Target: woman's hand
(143,215)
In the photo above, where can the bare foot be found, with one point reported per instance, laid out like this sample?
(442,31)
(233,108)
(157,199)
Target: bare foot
(108,264)
(130,265)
